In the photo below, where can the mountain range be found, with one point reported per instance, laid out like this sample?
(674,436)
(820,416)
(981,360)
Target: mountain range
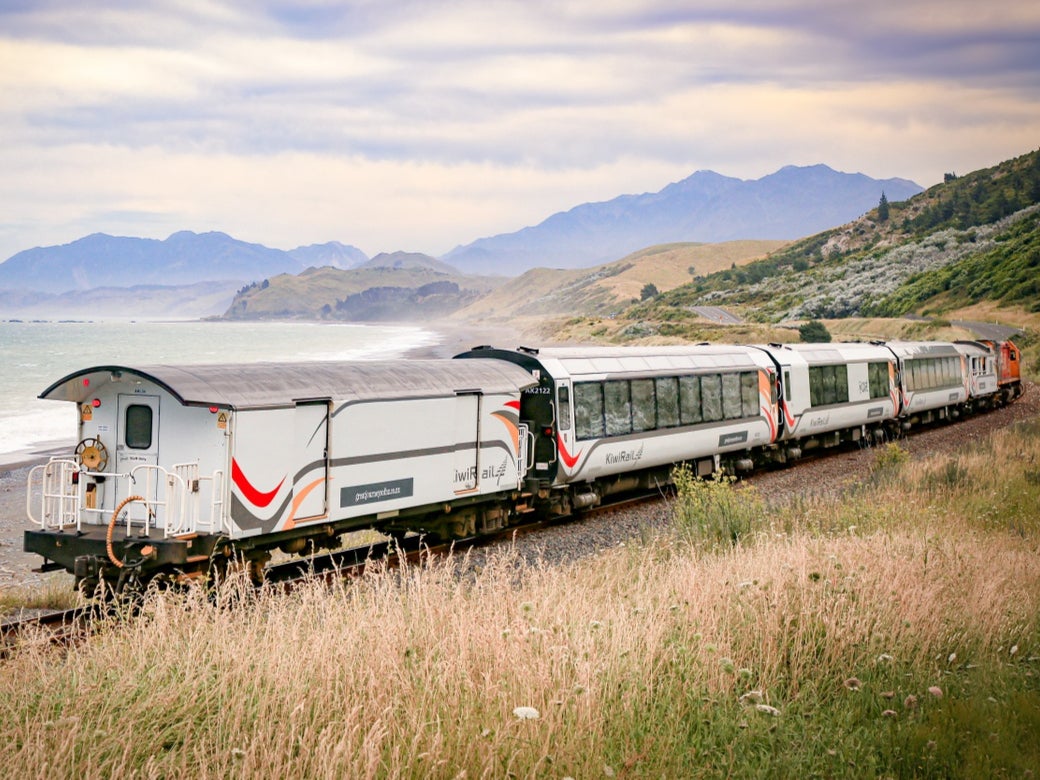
(183,259)
(705,207)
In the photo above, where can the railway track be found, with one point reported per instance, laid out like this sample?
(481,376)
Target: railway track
(59,625)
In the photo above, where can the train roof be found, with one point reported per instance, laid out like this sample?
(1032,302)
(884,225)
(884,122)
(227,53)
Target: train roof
(831,352)
(917,349)
(602,361)
(269,385)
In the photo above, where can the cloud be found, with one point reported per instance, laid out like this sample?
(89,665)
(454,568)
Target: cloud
(430,124)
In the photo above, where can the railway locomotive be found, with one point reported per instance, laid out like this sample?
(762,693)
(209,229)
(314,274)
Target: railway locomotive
(182,471)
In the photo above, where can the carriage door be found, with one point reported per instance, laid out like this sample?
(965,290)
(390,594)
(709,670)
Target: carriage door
(467,442)
(137,439)
(311,464)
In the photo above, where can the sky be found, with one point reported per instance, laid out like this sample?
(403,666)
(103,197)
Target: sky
(419,126)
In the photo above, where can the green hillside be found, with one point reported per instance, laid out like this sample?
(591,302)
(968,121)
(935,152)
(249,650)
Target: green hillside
(1009,273)
(975,233)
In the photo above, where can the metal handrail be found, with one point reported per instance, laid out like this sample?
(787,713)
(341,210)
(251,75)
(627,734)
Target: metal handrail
(60,489)
(52,492)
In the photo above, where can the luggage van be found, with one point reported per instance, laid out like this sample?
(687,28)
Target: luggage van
(176,464)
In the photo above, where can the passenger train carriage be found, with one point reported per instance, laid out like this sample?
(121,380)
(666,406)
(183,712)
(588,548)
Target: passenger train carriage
(181,470)
(833,392)
(617,418)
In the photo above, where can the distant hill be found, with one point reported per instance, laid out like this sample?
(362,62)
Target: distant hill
(608,289)
(400,260)
(185,258)
(705,207)
(972,239)
(389,287)
(332,253)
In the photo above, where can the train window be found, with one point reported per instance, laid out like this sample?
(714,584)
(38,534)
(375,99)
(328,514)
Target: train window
(787,385)
(617,407)
(877,377)
(913,375)
(749,392)
(828,385)
(690,400)
(138,433)
(667,401)
(841,384)
(563,396)
(711,397)
(588,410)
(732,408)
(644,413)
(934,377)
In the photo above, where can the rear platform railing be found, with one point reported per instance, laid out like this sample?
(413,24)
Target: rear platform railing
(60,495)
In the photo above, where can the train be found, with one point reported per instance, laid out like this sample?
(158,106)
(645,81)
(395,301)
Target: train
(184,471)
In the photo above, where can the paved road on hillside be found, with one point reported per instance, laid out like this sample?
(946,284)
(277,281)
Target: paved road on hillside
(715,314)
(988,330)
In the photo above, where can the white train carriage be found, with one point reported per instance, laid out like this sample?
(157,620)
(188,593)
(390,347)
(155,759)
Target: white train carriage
(980,366)
(933,381)
(832,393)
(173,458)
(608,419)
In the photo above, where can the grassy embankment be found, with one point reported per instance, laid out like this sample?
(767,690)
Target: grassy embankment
(890,630)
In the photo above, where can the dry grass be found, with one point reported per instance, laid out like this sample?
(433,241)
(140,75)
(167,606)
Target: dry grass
(811,647)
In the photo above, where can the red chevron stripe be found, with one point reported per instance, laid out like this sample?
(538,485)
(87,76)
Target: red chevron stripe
(252,495)
(568,459)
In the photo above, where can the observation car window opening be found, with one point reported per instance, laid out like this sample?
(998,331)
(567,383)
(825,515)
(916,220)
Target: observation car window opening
(711,397)
(732,404)
(667,392)
(138,427)
(617,407)
(644,411)
(690,400)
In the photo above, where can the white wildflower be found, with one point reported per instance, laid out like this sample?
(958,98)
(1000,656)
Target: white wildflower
(751,697)
(526,713)
(765,709)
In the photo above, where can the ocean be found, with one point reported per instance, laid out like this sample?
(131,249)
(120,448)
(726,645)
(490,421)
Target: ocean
(34,355)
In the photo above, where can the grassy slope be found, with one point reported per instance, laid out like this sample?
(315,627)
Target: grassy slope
(890,631)
(608,289)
